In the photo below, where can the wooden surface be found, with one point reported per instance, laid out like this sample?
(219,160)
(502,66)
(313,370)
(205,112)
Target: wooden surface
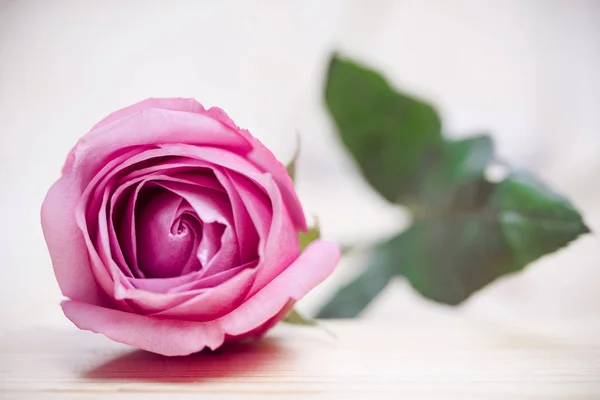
(367,360)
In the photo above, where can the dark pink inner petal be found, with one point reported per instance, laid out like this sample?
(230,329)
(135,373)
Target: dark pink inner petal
(246,232)
(189,169)
(280,246)
(123,234)
(123,205)
(211,208)
(215,279)
(174,225)
(211,242)
(154,208)
(215,246)
(167,239)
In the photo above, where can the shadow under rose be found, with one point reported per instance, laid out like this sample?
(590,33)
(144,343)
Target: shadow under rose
(236,359)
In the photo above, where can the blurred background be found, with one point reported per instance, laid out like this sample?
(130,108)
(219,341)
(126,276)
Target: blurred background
(527,71)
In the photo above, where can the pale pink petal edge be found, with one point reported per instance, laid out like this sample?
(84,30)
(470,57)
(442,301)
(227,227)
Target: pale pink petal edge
(173,337)
(260,154)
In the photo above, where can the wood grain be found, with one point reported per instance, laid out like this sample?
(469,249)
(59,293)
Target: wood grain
(366,360)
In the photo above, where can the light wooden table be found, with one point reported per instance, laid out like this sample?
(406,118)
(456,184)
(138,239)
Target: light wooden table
(367,360)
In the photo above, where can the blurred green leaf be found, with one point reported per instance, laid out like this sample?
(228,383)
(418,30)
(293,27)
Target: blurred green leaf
(294,317)
(465,159)
(313,232)
(455,180)
(351,299)
(466,231)
(534,219)
(454,184)
(447,259)
(391,135)
(309,236)
(291,166)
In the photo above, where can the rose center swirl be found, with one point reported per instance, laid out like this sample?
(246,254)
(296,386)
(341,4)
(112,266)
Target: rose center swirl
(168,234)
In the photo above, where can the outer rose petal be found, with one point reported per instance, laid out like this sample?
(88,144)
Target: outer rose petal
(259,332)
(149,127)
(312,267)
(172,337)
(66,244)
(175,104)
(263,157)
(260,155)
(163,336)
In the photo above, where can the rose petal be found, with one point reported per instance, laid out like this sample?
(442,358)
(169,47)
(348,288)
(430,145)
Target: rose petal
(260,155)
(198,304)
(211,242)
(163,336)
(102,240)
(175,104)
(107,274)
(118,214)
(91,200)
(102,264)
(199,173)
(124,233)
(121,227)
(256,203)
(245,228)
(191,281)
(214,302)
(66,244)
(148,128)
(310,269)
(265,159)
(164,249)
(260,331)
(102,181)
(191,170)
(208,281)
(163,285)
(211,207)
(187,169)
(177,337)
(124,242)
(285,247)
(281,245)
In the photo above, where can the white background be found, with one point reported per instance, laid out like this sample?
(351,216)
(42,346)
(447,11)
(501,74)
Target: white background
(527,71)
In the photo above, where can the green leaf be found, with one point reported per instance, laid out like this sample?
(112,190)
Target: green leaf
(467,231)
(390,134)
(308,237)
(464,160)
(298,319)
(535,220)
(291,167)
(455,180)
(351,299)
(447,259)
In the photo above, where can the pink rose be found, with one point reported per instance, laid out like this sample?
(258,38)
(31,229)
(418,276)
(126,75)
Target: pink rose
(172,230)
